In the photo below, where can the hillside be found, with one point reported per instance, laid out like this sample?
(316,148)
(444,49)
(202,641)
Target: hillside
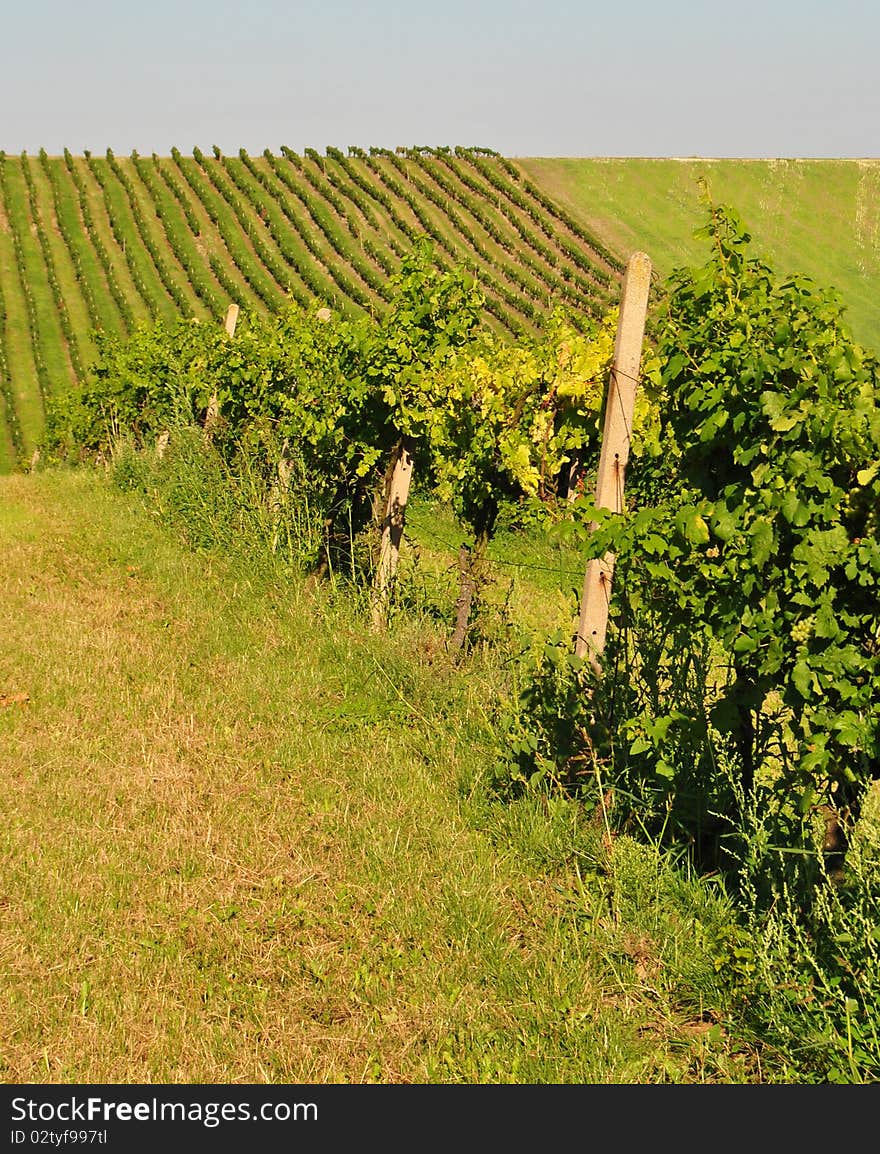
(819,217)
(105,243)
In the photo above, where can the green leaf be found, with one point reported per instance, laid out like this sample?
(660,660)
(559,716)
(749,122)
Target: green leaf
(745,643)
(802,676)
(807,798)
(640,745)
(763,542)
(826,624)
(696,529)
(723,523)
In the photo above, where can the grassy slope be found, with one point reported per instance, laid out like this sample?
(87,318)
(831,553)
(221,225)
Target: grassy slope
(819,217)
(244,841)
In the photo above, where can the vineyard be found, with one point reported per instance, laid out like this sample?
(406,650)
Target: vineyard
(92,244)
(433,315)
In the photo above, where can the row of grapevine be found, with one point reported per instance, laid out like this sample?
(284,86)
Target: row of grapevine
(371,274)
(246,176)
(513,194)
(517,302)
(261,270)
(75,238)
(128,239)
(362,189)
(281,182)
(58,296)
(177,191)
(491,417)
(521,249)
(461,191)
(194,280)
(557,213)
(228,276)
(516,190)
(15,448)
(253,218)
(123,304)
(177,238)
(523,244)
(175,290)
(338,184)
(520,195)
(258,286)
(16,216)
(443,239)
(103,244)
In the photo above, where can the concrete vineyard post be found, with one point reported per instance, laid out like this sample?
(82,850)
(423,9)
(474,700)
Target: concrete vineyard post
(619,406)
(392,529)
(231,319)
(214,404)
(278,495)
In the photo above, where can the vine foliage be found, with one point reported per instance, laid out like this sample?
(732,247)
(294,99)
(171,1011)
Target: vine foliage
(746,595)
(485,420)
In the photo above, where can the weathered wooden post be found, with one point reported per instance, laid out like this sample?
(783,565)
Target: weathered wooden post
(392,529)
(616,434)
(214,404)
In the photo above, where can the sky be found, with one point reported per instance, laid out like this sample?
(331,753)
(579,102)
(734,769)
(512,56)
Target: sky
(777,78)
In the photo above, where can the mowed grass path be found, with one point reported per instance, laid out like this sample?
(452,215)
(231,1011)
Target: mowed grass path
(240,842)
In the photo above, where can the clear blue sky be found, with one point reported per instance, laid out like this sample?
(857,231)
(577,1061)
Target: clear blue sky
(558,78)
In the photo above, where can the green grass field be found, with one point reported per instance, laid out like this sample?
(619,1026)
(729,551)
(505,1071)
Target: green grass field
(818,217)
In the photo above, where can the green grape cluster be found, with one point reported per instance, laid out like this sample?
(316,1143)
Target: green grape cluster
(802,630)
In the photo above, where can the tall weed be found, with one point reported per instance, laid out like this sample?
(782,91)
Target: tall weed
(243,506)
